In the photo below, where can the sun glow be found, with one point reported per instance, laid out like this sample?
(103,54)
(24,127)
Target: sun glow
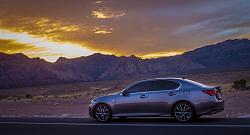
(161,54)
(48,50)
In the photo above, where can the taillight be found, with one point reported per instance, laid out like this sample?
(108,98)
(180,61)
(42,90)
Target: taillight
(210,92)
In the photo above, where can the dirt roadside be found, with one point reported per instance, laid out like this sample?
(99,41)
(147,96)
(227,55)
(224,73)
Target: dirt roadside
(236,105)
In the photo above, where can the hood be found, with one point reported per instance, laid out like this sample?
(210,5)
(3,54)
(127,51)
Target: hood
(104,97)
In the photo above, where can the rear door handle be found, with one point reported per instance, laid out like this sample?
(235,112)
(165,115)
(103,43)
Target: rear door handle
(143,96)
(172,93)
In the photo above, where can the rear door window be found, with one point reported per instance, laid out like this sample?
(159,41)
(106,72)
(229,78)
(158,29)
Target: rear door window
(159,85)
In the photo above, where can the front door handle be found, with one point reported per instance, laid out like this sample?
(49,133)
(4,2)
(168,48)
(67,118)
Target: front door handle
(172,93)
(143,96)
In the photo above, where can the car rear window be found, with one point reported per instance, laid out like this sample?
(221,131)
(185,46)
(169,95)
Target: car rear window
(196,83)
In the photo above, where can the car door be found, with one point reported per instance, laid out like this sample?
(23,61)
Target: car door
(162,94)
(133,102)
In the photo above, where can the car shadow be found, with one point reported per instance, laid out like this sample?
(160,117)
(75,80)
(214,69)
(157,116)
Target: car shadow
(166,120)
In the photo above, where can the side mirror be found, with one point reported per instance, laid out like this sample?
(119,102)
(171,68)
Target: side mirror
(124,93)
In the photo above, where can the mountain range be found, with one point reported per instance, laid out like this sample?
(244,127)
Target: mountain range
(18,70)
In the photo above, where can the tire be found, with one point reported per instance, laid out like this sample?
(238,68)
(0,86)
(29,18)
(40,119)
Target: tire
(183,112)
(102,113)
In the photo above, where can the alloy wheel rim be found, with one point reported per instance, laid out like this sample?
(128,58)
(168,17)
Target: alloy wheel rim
(183,112)
(102,113)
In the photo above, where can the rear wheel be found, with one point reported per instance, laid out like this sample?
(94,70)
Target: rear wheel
(102,113)
(183,112)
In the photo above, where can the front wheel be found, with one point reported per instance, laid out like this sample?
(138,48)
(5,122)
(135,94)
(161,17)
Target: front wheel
(183,112)
(102,113)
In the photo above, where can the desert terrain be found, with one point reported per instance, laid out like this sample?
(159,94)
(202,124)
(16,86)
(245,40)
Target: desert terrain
(71,100)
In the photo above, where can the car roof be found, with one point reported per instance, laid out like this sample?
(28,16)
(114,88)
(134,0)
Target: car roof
(179,80)
(166,78)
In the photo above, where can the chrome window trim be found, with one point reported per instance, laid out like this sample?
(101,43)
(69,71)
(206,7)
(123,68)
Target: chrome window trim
(133,93)
(145,92)
(148,91)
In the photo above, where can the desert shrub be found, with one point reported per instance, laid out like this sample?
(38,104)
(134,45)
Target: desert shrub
(3,97)
(28,96)
(240,84)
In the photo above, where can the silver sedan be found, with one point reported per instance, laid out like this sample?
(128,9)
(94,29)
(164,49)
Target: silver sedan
(180,98)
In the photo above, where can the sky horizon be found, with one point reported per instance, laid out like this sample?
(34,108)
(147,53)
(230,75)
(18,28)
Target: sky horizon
(147,28)
(147,57)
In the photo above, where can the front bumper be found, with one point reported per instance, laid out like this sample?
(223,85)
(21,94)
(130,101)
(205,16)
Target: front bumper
(91,108)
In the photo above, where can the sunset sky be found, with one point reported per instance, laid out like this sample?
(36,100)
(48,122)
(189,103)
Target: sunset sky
(147,28)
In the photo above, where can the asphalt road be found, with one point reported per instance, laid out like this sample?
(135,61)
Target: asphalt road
(132,126)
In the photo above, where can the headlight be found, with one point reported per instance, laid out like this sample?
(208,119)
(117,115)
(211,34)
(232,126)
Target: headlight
(92,101)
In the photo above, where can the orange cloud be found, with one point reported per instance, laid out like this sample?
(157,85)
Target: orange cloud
(41,26)
(105,13)
(98,2)
(12,46)
(102,30)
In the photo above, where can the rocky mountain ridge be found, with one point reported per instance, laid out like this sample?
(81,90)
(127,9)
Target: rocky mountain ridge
(17,70)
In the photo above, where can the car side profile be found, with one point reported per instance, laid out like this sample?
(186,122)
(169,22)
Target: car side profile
(180,98)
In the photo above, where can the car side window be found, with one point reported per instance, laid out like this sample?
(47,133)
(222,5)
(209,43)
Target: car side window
(139,87)
(164,85)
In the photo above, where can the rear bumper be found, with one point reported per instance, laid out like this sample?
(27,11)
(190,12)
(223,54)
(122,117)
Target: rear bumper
(217,108)
(211,107)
